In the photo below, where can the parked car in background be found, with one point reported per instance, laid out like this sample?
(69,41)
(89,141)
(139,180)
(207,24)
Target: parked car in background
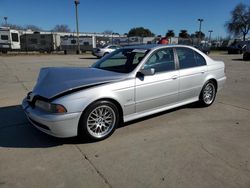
(204,48)
(128,84)
(246,51)
(105,50)
(236,47)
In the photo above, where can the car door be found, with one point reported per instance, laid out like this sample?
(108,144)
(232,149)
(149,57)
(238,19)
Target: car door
(193,69)
(160,89)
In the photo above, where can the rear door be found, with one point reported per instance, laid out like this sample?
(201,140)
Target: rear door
(192,72)
(160,89)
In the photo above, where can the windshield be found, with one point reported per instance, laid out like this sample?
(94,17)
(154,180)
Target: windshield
(121,60)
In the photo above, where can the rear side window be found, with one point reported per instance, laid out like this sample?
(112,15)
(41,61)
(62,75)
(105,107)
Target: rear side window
(189,58)
(4,37)
(200,61)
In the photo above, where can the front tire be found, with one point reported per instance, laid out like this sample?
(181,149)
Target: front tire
(99,121)
(208,94)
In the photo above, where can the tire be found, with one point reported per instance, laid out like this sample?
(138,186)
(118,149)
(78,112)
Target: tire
(99,121)
(208,94)
(246,56)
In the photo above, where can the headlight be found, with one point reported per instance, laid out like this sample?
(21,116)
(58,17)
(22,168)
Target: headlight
(50,107)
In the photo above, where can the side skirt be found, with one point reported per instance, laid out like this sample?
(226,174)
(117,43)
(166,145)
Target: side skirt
(157,110)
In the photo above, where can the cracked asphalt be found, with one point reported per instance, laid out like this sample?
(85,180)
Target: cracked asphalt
(183,147)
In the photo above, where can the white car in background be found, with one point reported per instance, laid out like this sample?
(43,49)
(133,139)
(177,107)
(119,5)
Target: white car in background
(105,50)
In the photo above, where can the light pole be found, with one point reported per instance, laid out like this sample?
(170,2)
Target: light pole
(200,20)
(210,33)
(5,18)
(77,2)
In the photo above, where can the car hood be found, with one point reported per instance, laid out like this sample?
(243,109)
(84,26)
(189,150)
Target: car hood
(54,81)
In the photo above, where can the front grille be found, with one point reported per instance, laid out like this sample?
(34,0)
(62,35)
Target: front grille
(39,124)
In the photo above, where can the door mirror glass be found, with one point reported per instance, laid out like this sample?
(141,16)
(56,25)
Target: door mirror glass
(148,72)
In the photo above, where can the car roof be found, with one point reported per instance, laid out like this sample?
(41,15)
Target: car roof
(155,46)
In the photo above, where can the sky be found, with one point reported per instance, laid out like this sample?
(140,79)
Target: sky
(120,16)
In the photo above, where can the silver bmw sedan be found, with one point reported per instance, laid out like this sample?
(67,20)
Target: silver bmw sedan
(127,84)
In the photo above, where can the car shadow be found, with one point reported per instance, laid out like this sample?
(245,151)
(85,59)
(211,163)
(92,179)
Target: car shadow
(239,59)
(17,132)
(192,105)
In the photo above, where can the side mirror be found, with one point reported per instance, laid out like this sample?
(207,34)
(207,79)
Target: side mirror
(148,72)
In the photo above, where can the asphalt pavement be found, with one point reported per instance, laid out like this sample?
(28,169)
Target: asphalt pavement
(184,147)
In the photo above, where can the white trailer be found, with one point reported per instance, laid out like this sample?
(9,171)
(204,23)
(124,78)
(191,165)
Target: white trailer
(69,43)
(9,39)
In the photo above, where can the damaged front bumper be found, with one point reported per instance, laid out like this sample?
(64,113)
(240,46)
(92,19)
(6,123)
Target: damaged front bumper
(58,125)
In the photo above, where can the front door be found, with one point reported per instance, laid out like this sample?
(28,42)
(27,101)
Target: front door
(161,89)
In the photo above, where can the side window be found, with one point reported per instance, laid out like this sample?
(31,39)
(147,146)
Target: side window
(200,61)
(86,43)
(186,58)
(162,60)
(4,37)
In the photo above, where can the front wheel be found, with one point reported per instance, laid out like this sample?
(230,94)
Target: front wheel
(99,121)
(208,93)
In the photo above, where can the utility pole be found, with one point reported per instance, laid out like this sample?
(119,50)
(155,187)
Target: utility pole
(5,18)
(210,33)
(77,2)
(200,20)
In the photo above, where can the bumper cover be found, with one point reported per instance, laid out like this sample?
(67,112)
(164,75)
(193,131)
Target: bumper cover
(221,82)
(63,125)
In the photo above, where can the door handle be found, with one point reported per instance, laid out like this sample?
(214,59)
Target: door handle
(174,77)
(202,72)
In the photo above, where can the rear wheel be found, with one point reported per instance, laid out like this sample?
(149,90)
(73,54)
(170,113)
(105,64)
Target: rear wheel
(208,94)
(99,120)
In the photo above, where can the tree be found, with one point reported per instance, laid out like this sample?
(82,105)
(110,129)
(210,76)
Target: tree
(140,32)
(61,28)
(240,21)
(197,35)
(170,33)
(184,34)
(33,27)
